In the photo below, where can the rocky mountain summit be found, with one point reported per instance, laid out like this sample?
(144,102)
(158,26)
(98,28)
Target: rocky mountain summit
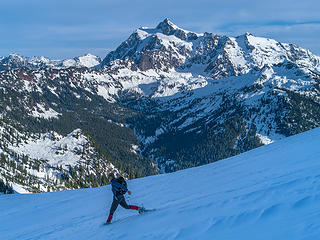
(168,47)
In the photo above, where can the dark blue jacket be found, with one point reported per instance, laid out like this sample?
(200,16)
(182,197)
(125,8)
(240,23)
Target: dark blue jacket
(119,188)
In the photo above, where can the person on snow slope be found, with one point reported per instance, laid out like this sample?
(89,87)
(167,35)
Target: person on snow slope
(119,188)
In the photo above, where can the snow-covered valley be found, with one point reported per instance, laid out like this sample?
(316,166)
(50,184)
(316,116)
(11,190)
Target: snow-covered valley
(271,192)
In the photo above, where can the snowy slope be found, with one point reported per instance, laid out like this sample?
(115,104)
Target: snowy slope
(271,192)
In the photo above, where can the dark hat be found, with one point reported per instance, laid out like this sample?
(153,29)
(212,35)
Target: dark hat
(111,175)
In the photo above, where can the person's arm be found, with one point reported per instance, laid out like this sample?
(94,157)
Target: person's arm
(125,184)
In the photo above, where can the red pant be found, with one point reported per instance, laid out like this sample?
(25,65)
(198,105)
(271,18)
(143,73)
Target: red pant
(122,202)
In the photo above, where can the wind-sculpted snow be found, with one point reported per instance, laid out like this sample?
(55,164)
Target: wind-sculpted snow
(268,193)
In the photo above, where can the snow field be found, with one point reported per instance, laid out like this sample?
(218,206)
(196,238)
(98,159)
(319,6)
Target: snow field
(271,192)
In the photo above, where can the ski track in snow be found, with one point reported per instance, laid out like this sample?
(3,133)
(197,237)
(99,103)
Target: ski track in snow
(271,192)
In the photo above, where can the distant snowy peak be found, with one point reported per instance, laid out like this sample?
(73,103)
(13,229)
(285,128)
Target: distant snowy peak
(12,61)
(87,60)
(168,47)
(16,61)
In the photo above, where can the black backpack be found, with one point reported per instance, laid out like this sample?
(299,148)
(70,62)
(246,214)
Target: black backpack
(123,182)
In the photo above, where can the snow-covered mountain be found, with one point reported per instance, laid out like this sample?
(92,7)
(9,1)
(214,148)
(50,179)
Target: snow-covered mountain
(199,88)
(50,162)
(87,60)
(170,48)
(39,111)
(268,193)
(172,97)
(16,61)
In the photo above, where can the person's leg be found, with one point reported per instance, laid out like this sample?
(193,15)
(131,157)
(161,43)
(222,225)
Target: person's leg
(123,204)
(113,208)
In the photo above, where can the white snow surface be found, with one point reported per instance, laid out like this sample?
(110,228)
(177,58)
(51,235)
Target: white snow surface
(271,192)
(41,112)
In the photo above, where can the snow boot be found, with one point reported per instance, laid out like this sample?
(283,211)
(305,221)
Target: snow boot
(109,219)
(141,210)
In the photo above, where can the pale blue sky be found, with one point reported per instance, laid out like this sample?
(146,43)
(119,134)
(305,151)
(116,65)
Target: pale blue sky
(68,28)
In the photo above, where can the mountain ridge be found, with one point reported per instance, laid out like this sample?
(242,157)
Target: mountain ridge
(143,41)
(173,101)
(14,60)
